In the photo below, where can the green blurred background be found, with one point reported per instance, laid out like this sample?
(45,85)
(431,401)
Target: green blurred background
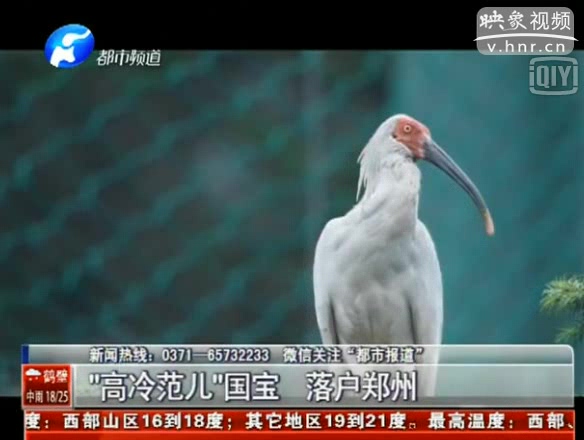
(182,204)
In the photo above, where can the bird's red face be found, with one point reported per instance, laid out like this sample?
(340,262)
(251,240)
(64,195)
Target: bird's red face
(416,137)
(413,134)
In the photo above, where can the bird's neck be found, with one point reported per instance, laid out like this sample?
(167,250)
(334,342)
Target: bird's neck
(390,199)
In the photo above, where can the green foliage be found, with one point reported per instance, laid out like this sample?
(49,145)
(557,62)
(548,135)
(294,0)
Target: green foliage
(566,295)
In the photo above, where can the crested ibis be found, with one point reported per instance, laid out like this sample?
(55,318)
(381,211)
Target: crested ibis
(377,279)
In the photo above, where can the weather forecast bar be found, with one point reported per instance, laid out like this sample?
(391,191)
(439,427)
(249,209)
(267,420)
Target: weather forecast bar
(294,354)
(311,424)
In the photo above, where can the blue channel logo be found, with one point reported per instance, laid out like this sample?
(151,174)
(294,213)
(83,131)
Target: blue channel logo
(69,46)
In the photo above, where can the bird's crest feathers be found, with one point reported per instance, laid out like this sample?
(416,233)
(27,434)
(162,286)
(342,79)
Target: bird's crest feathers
(371,157)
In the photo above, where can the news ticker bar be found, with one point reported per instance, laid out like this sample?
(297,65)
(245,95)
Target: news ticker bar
(296,354)
(295,386)
(473,424)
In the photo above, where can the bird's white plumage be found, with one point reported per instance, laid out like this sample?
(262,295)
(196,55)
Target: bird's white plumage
(377,279)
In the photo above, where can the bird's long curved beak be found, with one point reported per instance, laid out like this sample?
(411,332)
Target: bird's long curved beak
(438,157)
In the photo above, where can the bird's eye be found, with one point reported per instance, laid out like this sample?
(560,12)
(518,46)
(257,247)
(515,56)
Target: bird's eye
(407,128)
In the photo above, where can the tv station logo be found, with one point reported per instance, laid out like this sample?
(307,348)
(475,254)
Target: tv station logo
(138,58)
(69,46)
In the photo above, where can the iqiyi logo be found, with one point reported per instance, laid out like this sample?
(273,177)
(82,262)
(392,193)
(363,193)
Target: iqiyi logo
(553,76)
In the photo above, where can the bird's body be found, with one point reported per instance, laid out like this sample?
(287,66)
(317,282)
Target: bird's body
(377,278)
(378,269)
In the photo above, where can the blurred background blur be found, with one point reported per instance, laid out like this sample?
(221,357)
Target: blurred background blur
(182,204)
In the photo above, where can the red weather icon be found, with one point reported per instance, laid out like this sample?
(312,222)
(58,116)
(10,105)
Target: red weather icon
(32,374)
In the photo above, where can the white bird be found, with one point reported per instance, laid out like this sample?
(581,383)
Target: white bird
(377,279)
